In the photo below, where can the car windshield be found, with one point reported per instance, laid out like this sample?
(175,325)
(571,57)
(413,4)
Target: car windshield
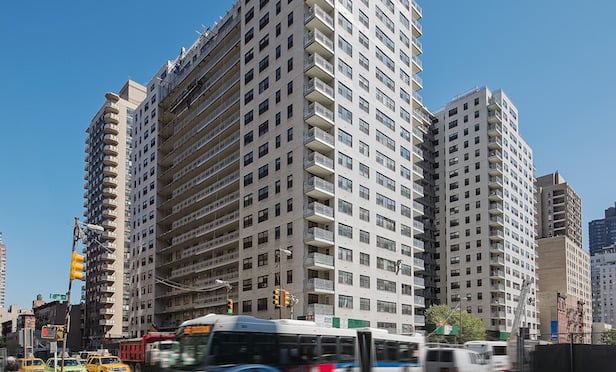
(109,360)
(192,342)
(34,362)
(67,362)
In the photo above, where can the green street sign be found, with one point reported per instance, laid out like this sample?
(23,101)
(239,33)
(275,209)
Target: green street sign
(58,296)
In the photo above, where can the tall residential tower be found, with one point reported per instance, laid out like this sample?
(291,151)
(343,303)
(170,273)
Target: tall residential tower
(107,204)
(2,272)
(485,210)
(288,154)
(602,232)
(564,266)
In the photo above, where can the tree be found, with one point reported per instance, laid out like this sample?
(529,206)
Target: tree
(472,326)
(609,337)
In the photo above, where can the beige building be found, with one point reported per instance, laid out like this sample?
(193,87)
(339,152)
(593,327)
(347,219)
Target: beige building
(564,266)
(288,148)
(107,185)
(485,211)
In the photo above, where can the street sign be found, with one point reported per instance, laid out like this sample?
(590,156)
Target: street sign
(58,296)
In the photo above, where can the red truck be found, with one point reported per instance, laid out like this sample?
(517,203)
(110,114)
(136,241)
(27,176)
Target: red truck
(153,351)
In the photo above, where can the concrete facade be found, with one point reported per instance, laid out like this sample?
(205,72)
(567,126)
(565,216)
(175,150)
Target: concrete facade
(603,272)
(108,183)
(289,158)
(485,210)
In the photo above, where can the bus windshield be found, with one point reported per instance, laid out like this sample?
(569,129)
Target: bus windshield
(193,341)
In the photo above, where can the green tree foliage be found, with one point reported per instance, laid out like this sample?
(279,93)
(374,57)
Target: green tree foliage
(472,325)
(609,337)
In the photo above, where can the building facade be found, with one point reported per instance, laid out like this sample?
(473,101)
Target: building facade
(143,202)
(602,232)
(603,272)
(107,204)
(2,272)
(289,159)
(564,266)
(485,210)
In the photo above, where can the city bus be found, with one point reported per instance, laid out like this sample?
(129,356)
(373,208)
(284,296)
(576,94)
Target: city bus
(217,342)
(495,352)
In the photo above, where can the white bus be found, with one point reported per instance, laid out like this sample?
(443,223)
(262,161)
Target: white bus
(217,342)
(493,351)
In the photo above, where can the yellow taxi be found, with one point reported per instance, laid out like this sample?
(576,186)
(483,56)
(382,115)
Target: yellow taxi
(31,364)
(106,363)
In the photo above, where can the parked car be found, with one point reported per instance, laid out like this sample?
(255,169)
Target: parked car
(70,364)
(449,359)
(31,364)
(106,363)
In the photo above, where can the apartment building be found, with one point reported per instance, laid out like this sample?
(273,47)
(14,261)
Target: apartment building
(485,210)
(563,265)
(143,202)
(603,272)
(107,204)
(289,152)
(602,232)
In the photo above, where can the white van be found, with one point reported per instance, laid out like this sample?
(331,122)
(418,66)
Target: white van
(494,351)
(449,359)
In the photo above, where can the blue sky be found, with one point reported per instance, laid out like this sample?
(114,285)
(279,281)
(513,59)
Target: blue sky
(554,59)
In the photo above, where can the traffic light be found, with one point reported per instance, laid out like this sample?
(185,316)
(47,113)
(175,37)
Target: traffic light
(276,297)
(286,298)
(229,306)
(77,266)
(48,333)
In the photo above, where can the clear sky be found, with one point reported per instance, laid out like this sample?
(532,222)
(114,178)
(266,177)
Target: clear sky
(554,59)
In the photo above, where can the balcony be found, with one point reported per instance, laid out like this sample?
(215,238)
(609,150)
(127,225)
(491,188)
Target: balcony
(418,209)
(106,322)
(318,115)
(495,182)
(320,309)
(110,160)
(417,11)
(495,143)
(418,264)
(419,320)
(418,190)
(495,156)
(319,261)
(417,100)
(108,289)
(109,214)
(317,18)
(417,28)
(495,208)
(319,140)
(319,213)
(418,245)
(318,188)
(496,234)
(497,261)
(319,237)
(110,171)
(109,235)
(316,42)
(109,192)
(419,282)
(495,117)
(417,173)
(496,221)
(112,107)
(417,82)
(497,248)
(494,104)
(108,257)
(110,181)
(318,285)
(106,311)
(419,301)
(417,64)
(317,66)
(495,130)
(108,278)
(497,288)
(110,117)
(108,225)
(497,274)
(109,203)
(316,90)
(110,150)
(495,170)
(108,268)
(319,164)
(498,314)
(418,227)
(106,300)
(110,139)
(111,128)
(495,195)
(417,47)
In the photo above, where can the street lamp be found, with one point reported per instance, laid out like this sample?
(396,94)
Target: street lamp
(286,253)
(227,285)
(79,232)
(467,298)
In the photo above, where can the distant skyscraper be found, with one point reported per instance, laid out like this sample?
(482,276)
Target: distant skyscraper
(602,233)
(485,210)
(603,272)
(107,203)
(564,266)
(2,271)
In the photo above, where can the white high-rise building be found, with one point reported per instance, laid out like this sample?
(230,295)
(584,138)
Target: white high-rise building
(602,272)
(485,212)
(289,160)
(107,204)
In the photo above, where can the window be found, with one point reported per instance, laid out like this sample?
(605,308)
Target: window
(345,207)
(264,21)
(345,254)
(263,193)
(345,277)
(345,46)
(345,160)
(345,230)
(263,149)
(345,138)
(345,68)
(345,184)
(345,301)
(364,259)
(364,214)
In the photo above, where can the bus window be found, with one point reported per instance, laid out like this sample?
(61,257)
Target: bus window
(391,350)
(264,349)
(307,349)
(328,348)
(289,349)
(408,352)
(347,349)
